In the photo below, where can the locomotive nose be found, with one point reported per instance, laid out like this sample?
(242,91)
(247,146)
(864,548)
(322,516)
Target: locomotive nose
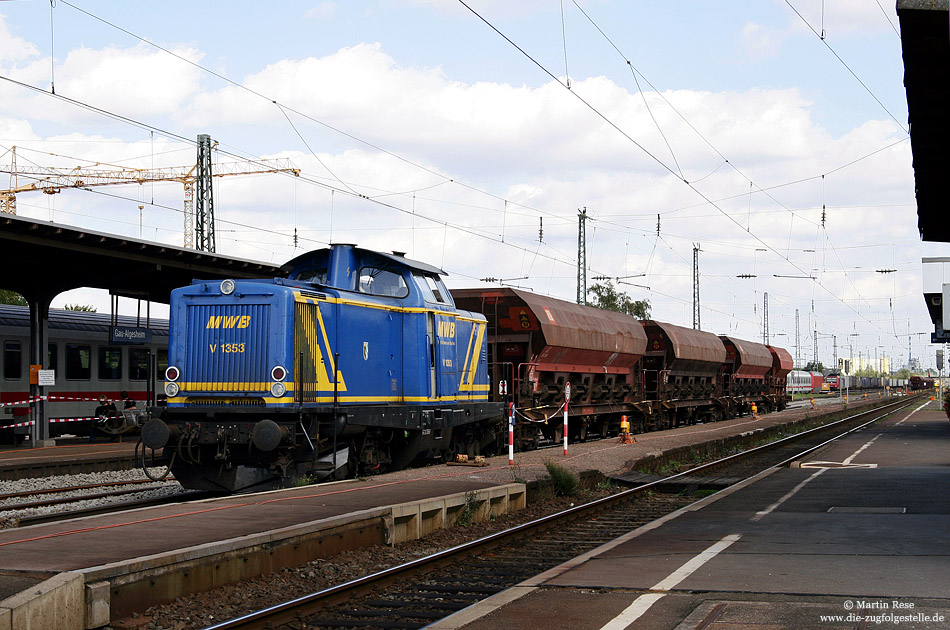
(267,435)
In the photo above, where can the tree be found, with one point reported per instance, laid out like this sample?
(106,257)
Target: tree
(85,308)
(608,298)
(12,297)
(814,367)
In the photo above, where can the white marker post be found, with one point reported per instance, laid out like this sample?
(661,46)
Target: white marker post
(567,398)
(511,434)
(503,391)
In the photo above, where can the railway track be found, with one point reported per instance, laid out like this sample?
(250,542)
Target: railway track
(421,592)
(91,486)
(115,496)
(119,506)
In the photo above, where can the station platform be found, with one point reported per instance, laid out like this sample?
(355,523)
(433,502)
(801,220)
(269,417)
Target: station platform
(96,569)
(856,535)
(91,570)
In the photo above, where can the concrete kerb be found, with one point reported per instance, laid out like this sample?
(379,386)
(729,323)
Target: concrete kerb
(56,603)
(116,590)
(417,519)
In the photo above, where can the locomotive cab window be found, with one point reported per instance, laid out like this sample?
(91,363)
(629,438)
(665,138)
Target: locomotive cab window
(376,281)
(312,275)
(12,361)
(78,362)
(433,290)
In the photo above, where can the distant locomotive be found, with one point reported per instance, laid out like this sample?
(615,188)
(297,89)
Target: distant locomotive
(356,362)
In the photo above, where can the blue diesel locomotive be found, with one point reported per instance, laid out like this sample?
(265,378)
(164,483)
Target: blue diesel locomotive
(356,361)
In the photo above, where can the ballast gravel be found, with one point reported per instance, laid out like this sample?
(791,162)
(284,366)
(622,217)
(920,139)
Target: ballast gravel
(9,515)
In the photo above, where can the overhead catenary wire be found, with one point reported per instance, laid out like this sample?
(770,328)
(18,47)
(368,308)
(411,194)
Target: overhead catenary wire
(444,225)
(613,125)
(846,66)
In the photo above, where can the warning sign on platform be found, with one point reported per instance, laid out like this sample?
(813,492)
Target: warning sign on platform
(46,378)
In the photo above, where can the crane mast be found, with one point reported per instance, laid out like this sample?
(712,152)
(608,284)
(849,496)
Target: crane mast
(52,180)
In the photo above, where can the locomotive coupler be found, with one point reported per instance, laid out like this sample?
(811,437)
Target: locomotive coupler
(223,453)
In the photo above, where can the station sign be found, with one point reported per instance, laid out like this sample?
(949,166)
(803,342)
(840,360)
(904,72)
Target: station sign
(130,335)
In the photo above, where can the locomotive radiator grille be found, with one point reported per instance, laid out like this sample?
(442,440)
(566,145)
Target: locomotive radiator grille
(312,370)
(229,348)
(226,402)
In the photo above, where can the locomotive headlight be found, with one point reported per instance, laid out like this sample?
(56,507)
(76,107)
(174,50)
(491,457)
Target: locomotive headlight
(171,389)
(277,390)
(227,286)
(172,373)
(278,373)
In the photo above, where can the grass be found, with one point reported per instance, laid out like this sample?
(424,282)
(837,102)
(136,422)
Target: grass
(516,475)
(565,481)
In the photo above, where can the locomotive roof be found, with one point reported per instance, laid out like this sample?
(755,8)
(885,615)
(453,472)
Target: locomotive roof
(395,257)
(19,316)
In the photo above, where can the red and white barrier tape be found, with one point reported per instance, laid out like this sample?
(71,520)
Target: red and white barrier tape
(30,423)
(34,399)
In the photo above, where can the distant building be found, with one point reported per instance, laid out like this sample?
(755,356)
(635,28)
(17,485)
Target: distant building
(879,364)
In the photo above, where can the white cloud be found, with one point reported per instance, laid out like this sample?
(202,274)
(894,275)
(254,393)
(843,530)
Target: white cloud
(323,11)
(760,42)
(14,49)
(139,82)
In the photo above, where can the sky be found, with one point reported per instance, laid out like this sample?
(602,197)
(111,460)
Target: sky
(769,134)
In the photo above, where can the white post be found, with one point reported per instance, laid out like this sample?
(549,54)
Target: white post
(567,398)
(511,434)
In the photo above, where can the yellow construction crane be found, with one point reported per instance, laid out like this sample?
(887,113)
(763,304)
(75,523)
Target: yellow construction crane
(51,180)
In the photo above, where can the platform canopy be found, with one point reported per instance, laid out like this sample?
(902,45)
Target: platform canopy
(925,43)
(43,259)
